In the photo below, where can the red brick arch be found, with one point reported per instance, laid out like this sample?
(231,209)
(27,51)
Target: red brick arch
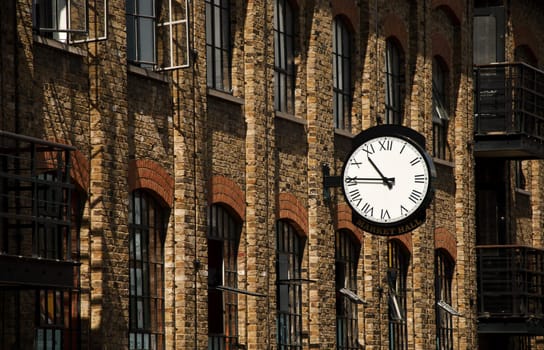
(444,239)
(405,240)
(148,174)
(348,10)
(454,9)
(289,207)
(442,48)
(80,172)
(344,222)
(224,190)
(394,26)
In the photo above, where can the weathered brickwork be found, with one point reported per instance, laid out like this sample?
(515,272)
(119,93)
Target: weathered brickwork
(190,146)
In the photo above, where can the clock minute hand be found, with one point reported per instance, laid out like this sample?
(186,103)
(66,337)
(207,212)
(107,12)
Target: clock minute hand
(370,179)
(385,180)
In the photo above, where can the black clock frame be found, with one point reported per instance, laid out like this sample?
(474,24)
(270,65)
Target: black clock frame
(418,217)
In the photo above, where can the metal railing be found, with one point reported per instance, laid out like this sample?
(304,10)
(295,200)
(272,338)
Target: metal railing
(510,282)
(35,212)
(509,98)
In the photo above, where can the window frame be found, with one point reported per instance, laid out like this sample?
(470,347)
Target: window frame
(284,57)
(394,82)
(53,18)
(137,53)
(147,220)
(397,276)
(218,46)
(444,268)
(342,70)
(289,250)
(223,239)
(440,109)
(347,251)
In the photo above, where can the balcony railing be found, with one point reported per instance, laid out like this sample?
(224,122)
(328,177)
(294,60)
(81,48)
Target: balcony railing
(511,286)
(509,110)
(36,244)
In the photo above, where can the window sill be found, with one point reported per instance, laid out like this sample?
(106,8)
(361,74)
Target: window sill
(165,78)
(59,45)
(290,117)
(225,96)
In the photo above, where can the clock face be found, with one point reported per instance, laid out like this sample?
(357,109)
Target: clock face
(386,180)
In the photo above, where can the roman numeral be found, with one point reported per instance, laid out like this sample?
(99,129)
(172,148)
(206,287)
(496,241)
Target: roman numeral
(402,149)
(385,214)
(368,210)
(355,196)
(355,162)
(386,145)
(415,161)
(369,149)
(419,178)
(415,196)
(350,181)
(403,210)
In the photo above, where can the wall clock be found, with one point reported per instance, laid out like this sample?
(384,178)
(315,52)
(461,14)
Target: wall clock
(387,179)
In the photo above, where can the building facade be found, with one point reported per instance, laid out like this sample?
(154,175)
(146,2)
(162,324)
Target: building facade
(164,170)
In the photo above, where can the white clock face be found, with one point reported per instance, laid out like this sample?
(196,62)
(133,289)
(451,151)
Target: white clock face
(386,179)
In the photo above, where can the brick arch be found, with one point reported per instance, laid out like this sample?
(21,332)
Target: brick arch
(289,207)
(442,48)
(224,190)
(453,8)
(80,171)
(148,174)
(445,240)
(405,240)
(394,26)
(348,11)
(344,222)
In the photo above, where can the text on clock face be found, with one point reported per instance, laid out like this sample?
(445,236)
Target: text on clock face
(386,179)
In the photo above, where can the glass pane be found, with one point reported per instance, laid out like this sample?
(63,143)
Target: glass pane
(146,33)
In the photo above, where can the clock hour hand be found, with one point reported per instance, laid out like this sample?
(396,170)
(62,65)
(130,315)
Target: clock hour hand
(386,180)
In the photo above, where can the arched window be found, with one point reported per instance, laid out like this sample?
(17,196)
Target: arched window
(147,231)
(341,51)
(440,108)
(223,240)
(284,57)
(289,291)
(443,278)
(397,275)
(394,80)
(346,258)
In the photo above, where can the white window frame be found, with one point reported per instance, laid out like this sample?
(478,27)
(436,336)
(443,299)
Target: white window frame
(170,25)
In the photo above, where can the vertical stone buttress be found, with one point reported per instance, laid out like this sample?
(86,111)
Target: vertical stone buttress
(108,187)
(259,227)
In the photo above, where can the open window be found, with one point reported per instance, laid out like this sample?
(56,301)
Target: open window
(58,19)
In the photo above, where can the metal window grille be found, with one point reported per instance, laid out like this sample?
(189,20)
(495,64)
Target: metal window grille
(289,291)
(284,57)
(393,83)
(347,255)
(218,45)
(397,275)
(223,239)
(146,261)
(444,320)
(342,92)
